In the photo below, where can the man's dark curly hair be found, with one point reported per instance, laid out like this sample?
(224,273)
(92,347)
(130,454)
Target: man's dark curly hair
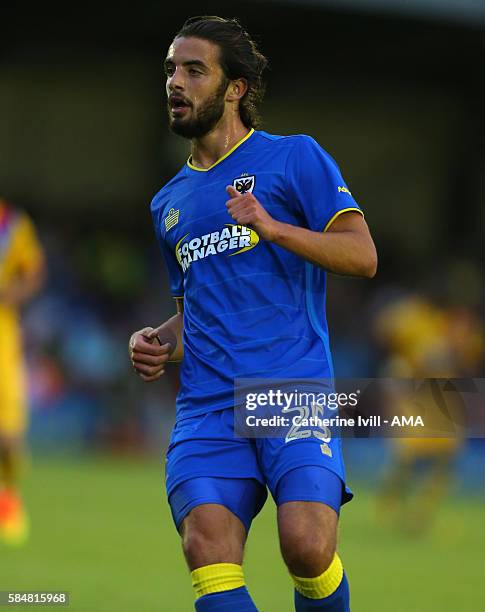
(240,58)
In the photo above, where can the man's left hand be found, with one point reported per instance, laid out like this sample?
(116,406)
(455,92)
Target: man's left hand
(246,210)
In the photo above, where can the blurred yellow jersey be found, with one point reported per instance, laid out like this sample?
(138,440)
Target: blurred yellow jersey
(428,341)
(20,254)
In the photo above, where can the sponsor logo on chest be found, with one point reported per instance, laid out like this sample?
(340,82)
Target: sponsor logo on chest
(231,239)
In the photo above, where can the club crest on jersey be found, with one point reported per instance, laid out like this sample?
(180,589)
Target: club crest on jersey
(171,219)
(244,184)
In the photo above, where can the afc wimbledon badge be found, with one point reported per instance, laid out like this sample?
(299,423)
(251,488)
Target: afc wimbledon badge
(171,219)
(244,184)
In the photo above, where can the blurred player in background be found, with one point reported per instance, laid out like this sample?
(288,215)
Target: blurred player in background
(247,229)
(425,338)
(21,276)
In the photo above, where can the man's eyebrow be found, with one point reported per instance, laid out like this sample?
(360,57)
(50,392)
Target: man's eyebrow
(190,62)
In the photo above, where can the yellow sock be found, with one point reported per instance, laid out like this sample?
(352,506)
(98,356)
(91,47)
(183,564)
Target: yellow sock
(216,578)
(323,585)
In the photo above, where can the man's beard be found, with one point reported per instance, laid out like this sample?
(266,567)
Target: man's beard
(205,118)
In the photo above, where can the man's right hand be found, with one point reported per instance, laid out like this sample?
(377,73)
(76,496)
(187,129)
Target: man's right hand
(147,354)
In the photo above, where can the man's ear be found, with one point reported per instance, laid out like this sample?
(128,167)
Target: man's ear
(236,90)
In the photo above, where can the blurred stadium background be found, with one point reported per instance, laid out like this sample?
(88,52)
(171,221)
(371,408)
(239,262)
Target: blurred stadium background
(394,91)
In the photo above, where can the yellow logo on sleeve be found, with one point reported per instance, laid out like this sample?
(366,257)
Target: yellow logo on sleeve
(171,219)
(344,190)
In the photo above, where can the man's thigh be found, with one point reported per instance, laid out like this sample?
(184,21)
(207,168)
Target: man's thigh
(307,481)
(206,464)
(211,534)
(308,500)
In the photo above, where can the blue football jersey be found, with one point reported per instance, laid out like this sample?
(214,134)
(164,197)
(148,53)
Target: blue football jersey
(252,308)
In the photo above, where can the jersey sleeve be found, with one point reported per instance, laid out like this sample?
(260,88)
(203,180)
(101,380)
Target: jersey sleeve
(316,184)
(175,275)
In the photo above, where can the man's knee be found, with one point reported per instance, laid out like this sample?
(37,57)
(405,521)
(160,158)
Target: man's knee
(307,555)
(307,537)
(212,534)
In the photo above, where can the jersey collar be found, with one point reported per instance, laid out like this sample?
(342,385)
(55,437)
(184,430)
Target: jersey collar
(238,144)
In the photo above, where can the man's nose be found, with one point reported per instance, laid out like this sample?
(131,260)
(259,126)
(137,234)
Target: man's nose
(176,81)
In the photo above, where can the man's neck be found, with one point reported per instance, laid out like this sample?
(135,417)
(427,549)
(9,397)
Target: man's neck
(206,151)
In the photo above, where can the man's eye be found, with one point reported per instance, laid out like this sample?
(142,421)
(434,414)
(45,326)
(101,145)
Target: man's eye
(169,71)
(194,71)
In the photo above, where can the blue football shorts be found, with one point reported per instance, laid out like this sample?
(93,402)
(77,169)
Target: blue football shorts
(207,464)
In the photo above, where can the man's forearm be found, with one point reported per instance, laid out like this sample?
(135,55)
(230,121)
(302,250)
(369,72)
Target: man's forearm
(172,331)
(342,252)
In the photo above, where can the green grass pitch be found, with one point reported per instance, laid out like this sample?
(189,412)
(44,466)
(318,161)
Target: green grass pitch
(101,529)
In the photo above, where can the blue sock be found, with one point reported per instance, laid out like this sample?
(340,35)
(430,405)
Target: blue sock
(235,600)
(338,601)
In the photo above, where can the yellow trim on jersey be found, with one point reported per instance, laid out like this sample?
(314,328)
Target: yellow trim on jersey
(190,165)
(323,585)
(341,212)
(216,578)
